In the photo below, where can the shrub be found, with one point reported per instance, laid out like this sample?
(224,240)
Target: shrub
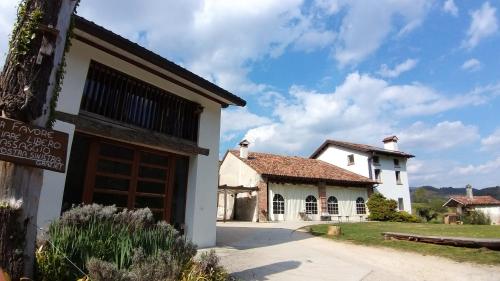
(476,217)
(95,237)
(427,213)
(206,268)
(381,209)
(403,216)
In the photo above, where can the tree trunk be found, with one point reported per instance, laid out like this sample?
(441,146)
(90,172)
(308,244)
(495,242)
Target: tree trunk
(27,83)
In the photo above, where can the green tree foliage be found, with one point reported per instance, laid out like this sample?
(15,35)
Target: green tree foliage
(427,213)
(476,217)
(381,208)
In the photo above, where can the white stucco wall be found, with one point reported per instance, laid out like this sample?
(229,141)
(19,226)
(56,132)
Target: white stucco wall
(295,200)
(388,187)
(52,192)
(203,170)
(338,157)
(492,211)
(234,172)
(346,197)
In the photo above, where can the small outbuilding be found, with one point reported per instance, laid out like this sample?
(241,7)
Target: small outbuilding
(485,204)
(290,188)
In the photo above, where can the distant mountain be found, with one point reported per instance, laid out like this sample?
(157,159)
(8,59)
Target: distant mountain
(426,193)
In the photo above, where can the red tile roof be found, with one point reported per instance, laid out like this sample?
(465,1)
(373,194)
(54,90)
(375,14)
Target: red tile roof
(476,200)
(298,168)
(359,147)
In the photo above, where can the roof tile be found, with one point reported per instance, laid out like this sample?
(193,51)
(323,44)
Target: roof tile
(476,200)
(301,168)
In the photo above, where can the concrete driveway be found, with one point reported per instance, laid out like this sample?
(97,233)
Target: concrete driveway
(275,251)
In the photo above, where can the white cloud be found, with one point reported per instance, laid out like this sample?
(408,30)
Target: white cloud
(239,119)
(440,172)
(405,66)
(484,23)
(218,39)
(487,167)
(443,135)
(368,23)
(471,65)
(450,7)
(491,142)
(363,109)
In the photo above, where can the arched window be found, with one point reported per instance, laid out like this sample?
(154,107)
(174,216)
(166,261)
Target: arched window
(360,206)
(278,204)
(333,205)
(311,205)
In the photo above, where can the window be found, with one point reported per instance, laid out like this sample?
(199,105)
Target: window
(333,205)
(378,176)
(396,163)
(360,206)
(134,177)
(350,159)
(398,177)
(311,205)
(401,205)
(376,160)
(278,204)
(121,97)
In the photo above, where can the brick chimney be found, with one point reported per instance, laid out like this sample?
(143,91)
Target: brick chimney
(468,191)
(391,143)
(244,149)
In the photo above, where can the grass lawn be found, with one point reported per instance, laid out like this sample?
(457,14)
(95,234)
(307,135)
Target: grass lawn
(369,233)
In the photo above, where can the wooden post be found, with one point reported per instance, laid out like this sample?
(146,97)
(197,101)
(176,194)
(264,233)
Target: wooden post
(27,84)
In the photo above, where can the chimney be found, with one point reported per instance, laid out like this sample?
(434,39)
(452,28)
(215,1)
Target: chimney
(391,143)
(244,149)
(468,191)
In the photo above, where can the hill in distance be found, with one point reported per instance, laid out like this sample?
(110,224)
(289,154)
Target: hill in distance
(426,193)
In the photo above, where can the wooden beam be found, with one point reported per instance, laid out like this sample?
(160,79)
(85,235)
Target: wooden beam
(100,126)
(490,243)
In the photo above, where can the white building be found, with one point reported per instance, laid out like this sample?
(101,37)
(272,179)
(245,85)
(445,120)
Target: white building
(291,188)
(143,132)
(485,204)
(385,165)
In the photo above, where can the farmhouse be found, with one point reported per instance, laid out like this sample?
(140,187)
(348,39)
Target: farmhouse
(289,188)
(386,166)
(485,204)
(143,132)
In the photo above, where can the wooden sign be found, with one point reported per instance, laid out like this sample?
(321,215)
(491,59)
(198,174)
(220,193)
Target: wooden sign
(29,145)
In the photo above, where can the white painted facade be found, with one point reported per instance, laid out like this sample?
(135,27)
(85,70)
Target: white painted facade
(201,207)
(363,165)
(234,172)
(491,211)
(295,201)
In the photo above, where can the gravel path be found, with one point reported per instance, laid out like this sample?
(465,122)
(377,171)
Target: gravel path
(272,251)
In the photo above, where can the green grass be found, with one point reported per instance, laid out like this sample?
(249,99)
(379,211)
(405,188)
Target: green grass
(370,234)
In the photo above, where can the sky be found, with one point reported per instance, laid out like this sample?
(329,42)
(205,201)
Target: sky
(424,70)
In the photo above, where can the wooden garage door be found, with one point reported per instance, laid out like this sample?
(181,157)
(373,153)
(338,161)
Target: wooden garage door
(129,177)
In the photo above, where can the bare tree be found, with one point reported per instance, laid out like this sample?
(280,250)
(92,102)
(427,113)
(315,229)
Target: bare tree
(29,85)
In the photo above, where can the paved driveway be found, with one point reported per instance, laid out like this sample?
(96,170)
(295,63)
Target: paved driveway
(274,251)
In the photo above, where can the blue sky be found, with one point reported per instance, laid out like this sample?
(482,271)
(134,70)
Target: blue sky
(426,71)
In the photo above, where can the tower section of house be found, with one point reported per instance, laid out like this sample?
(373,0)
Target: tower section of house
(387,166)
(293,188)
(144,132)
